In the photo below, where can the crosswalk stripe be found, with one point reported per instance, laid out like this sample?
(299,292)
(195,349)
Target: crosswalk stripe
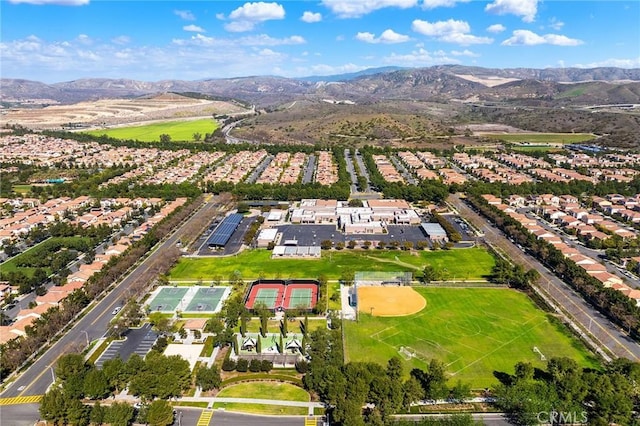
(205,418)
(20,400)
(310,421)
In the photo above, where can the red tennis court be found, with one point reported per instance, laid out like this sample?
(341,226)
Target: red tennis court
(283,294)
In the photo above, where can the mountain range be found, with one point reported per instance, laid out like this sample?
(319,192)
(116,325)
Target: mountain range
(551,86)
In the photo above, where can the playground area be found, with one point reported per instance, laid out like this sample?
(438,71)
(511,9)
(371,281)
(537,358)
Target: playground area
(188,299)
(283,294)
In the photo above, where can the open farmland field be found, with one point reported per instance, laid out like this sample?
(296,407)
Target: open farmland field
(460,264)
(113,112)
(178,130)
(473,331)
(542,138)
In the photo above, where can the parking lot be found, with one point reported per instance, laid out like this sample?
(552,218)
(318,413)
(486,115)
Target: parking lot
(137,340)
(313,235)
(232,246)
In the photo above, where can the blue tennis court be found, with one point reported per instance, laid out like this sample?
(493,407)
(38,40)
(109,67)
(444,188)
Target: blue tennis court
(167,299)
(206,299)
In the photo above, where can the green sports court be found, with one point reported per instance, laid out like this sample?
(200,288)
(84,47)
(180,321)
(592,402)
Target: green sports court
(188,299)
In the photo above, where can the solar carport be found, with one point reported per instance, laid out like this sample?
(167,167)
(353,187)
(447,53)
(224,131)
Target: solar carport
(223,232)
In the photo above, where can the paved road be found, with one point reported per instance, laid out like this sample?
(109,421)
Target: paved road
(19,415)
(352,172)
(37,378)
(363,171)
(590,320)
(309,169)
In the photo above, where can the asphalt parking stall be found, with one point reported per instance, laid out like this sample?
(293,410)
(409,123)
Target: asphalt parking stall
(137,340)
(313,235)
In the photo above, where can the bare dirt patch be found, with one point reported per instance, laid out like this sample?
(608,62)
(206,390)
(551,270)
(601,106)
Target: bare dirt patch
(113,112)
(489,81)
(387,301)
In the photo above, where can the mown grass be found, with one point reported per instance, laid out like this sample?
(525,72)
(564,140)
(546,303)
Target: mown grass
(178,130)
(474,332)
(539,138)
(461,264)
(265,390)
(40,249)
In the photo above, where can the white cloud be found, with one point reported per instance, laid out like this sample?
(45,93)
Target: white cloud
(185,14)
(265,40)
(324,69)
(194,28)
(420,57)
(239,26)
(613,62)
(496,28)
(432,4)
(121,40)
(465,52)
(248,15)
(256,40)
(529,38)
(387,37)
(525,8)
(194,57)
(357,8)
(84,39)
(310,17)
(258,11)
(450,31)
(440,28)
(56,2)
(556,24)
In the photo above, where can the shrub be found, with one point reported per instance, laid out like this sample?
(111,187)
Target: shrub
(228,365)
(302,366)
(254,365)
(266,365)
(242,365)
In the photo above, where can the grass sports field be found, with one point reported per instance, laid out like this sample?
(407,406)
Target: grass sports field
(178,130)
(542,138)
(473,331)
(462,264)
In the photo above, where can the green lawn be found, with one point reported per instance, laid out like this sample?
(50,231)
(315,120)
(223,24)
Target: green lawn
(473,331)
(40,249)
(22,188)
(334,288)
(461,264)
(265,390)
(539,138)
(178,130)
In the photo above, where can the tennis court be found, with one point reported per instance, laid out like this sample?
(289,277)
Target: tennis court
(167,299)
(206,299)
(299,298)
(283,294)
(266,296)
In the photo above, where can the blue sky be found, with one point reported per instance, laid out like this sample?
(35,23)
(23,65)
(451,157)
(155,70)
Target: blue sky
(62,40)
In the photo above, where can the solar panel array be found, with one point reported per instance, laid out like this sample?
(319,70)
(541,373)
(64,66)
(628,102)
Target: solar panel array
(223,232)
